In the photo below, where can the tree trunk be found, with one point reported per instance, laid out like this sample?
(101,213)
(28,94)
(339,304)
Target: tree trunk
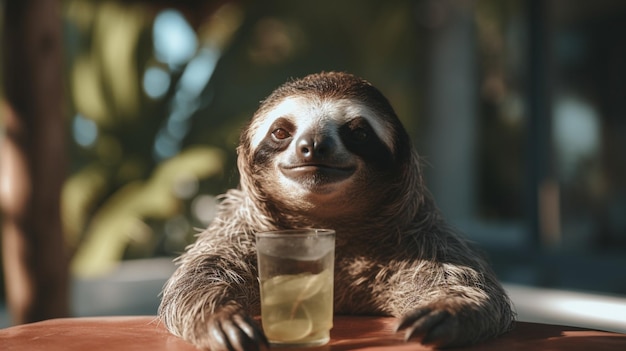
(32,161)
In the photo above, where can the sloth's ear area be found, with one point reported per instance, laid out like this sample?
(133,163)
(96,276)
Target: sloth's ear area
(359,138)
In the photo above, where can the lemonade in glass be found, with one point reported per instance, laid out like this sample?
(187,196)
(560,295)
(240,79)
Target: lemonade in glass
(296,282)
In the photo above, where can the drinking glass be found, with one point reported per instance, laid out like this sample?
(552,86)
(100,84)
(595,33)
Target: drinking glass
(296,281)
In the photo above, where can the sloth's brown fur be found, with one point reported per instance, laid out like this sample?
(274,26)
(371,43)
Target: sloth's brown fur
(394,255)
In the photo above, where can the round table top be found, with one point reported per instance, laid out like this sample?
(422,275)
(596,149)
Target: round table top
(349,333)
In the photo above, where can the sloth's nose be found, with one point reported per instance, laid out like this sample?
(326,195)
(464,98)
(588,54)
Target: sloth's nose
(312,147)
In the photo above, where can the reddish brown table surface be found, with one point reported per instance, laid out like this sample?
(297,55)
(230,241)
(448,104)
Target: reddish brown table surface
(349,333)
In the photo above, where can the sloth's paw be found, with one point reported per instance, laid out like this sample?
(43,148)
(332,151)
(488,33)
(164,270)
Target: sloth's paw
(231,329)
(435,324)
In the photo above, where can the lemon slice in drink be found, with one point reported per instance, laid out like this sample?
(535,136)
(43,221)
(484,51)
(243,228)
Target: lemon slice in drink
(289,330)
(285,288)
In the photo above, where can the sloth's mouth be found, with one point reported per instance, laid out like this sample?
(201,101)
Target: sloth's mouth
(317,174)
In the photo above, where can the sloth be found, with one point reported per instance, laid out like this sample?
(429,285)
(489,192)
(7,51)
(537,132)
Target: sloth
(328,151)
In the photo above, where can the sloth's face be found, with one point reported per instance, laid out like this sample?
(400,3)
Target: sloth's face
(315,152)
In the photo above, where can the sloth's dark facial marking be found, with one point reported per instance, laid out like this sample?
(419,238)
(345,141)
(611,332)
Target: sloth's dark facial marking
(360,139)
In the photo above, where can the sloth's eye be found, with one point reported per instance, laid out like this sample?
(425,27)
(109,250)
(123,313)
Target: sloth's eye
(280,134)
(360,134)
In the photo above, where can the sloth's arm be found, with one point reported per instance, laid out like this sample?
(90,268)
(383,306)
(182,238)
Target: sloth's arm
(459,302)
(457,314)
(207,299)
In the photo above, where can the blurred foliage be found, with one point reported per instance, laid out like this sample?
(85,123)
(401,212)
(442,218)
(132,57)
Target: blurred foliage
(120,221)
(121,193)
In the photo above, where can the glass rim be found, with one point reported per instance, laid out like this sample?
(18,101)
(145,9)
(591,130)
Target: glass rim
(297,233)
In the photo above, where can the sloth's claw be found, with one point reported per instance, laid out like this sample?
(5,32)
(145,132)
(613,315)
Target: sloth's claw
(232,330)
(432,326)
(411,317)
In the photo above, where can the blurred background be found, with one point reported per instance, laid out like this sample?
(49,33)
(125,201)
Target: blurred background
(517,107)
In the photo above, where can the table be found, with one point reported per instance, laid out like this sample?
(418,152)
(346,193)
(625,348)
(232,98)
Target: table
(349,333)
